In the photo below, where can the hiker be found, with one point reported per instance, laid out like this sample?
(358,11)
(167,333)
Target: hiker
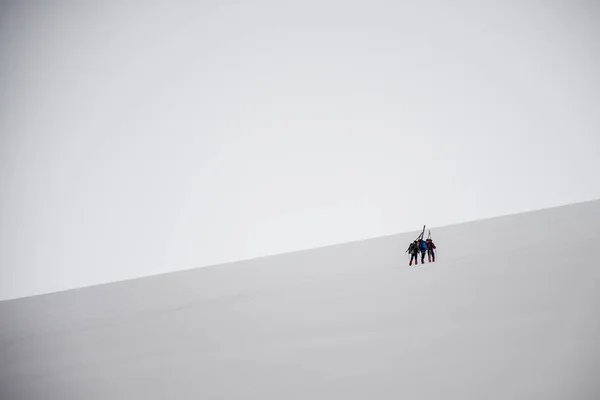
(413,250)
(430,250)
(424,249)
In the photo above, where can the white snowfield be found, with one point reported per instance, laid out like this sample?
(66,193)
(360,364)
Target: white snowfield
(511,310)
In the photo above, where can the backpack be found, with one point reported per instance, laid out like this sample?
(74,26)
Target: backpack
(414,248)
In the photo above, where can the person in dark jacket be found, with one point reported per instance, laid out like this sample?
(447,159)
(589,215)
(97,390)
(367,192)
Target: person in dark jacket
(423,247)
(413,250)
(430,250)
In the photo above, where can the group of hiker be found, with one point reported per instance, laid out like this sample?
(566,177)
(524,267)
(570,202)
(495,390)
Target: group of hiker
(419,245)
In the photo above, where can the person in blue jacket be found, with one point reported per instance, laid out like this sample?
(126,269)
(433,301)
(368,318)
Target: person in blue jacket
(423,247)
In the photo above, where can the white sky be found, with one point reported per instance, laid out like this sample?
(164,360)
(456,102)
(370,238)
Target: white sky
(139,138)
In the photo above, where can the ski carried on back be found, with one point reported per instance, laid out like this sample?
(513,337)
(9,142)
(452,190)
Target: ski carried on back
(430,248)
(413,248)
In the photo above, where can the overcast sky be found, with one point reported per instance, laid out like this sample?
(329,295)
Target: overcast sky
(143,137)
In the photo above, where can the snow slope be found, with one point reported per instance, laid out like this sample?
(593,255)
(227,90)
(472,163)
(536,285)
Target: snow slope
(517,316)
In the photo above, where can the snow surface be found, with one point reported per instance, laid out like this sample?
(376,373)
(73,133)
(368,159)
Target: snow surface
(510,311)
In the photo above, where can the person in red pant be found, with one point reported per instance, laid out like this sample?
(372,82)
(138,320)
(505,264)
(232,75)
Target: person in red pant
(431,250)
